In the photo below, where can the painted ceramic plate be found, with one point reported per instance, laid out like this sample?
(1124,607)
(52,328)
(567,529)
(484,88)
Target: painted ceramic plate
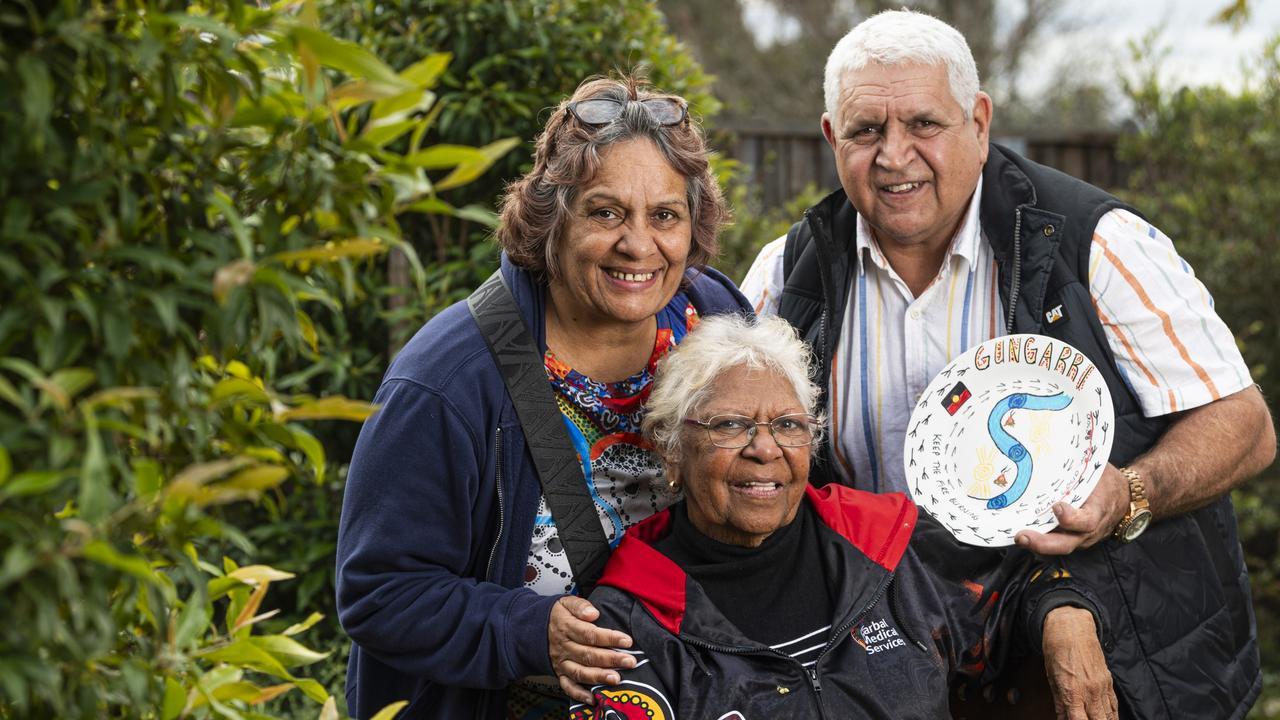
(1006,430)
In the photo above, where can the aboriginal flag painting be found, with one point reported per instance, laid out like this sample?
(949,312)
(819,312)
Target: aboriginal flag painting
(956,399)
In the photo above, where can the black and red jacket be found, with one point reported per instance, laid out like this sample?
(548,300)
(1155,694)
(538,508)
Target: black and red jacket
(899,633)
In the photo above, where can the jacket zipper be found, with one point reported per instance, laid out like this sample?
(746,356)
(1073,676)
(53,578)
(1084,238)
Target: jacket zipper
(809,673)
(482,704)
(1017,269)
(814,680)
(827,352)
(497,538)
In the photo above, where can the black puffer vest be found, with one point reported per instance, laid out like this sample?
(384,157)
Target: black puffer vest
(1178,623)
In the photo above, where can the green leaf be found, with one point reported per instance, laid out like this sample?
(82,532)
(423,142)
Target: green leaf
(35,482)
(262,477)
(147,477)
(312,689)
(6,465)
(296,628)
(51,390)
(465,173)
(308,330)
(334,407)
(426,71)
(175,699)
(73,380)
(288,651)
(194,618)
(11,395)
(121,396)
(254,574)
(477,214)
(243,653)
(389,712)
(221,202)
(381,134)
(96,497)
(37,90)
(223,585)
(348,57)
(234,387)
(18,561)
(188,483)
(399,107)
(102,553)
(439,157)
(310,447)
(332,252)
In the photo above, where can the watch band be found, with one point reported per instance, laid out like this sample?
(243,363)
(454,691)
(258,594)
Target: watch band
(1137,488)
(1138,504)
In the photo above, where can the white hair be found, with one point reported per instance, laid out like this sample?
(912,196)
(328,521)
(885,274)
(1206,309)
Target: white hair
(683,380)
(903,37)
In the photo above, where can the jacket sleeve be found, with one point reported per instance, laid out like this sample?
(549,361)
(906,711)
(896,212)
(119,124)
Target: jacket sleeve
(1050,586)
(649,682)
(406,540)
(983,604)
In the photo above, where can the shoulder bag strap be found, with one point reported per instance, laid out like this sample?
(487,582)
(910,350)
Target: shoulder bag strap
(559,468)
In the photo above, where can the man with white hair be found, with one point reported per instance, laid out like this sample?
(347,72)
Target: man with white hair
(939,240)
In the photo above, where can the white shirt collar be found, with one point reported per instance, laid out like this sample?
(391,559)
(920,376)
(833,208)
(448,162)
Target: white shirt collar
(964,243)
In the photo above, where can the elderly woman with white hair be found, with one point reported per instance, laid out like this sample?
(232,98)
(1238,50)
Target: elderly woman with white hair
(758,595)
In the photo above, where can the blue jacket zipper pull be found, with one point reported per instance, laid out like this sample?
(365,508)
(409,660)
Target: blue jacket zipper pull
(814,681)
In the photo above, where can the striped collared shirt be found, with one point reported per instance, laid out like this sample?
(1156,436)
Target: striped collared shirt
(1171,347)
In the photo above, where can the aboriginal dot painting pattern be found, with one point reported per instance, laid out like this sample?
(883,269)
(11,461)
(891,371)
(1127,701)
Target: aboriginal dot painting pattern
(603,419)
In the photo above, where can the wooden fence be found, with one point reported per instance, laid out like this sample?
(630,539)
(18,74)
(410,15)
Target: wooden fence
(781,163)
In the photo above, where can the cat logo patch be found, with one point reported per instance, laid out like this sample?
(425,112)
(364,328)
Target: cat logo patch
(1055,313)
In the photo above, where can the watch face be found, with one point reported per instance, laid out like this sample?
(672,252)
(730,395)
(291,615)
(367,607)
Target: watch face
(1137,525)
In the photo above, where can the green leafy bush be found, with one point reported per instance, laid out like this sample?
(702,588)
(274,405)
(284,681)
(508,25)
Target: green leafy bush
(1207,172)
(190,197)
(512,63)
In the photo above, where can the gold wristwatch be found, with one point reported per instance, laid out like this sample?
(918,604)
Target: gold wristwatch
(1139,517)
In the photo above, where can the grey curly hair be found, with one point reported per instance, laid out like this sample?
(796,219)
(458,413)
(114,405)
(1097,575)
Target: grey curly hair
(683,380)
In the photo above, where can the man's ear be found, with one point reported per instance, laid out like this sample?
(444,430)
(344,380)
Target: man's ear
(982,111)
(828,130)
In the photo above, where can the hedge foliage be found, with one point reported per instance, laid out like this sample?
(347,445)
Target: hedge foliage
(204,266)
(190,196)
(1206,170)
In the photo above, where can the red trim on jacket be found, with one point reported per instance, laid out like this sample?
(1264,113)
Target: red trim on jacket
(636,568)
(880,526)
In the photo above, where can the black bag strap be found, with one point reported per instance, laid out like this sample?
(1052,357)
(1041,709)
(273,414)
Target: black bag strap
(559,468)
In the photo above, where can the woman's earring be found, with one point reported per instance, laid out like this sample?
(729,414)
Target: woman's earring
(673,487)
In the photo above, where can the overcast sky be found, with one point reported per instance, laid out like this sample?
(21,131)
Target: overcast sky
(1200,51)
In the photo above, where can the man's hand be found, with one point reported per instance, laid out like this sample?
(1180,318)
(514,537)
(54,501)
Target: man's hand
(1084,526)
(580,651)
(1076,667)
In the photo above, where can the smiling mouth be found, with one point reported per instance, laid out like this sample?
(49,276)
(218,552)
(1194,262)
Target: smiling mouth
(901,187)
(631,277)
(759,489)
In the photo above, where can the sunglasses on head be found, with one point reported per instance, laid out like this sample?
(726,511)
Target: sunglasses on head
(665,111)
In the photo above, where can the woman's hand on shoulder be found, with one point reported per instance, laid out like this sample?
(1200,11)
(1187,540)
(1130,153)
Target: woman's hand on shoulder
(581,653)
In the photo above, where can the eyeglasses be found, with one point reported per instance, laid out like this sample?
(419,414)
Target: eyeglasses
(737,431)
(665,111)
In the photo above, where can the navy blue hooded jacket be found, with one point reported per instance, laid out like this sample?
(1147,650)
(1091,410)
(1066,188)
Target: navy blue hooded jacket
(437,520)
